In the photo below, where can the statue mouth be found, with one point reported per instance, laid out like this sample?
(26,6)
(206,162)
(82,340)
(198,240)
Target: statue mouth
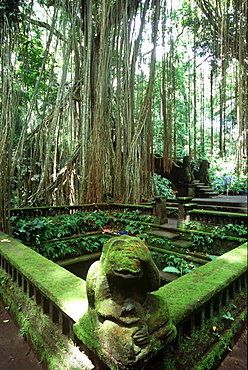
(127,274)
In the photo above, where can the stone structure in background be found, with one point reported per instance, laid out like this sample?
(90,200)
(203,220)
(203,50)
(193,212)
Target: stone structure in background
(203,173)
(160,210)
(125,324)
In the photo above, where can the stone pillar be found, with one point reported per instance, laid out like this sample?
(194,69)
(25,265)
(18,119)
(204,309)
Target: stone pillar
(182,210)
(160,210)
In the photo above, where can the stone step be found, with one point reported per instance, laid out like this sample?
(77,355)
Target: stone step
(202,186)
(206,194)
(164,234)
(182,243)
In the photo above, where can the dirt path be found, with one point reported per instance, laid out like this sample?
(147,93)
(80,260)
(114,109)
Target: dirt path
(237,358)
(15,353)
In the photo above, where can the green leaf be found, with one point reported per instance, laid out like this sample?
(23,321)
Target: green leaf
(228,316)
(172,269)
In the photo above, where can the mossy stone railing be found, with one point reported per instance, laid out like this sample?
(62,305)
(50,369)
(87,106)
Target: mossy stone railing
(192,299)
(157,209)
(61,294)
(200,298)
(218,218)
(194,290)
(71,209)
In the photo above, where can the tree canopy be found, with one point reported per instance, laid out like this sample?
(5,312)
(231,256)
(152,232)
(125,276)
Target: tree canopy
(91,90)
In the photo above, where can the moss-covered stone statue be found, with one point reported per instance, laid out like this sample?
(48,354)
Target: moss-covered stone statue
(186,173)
(124,322)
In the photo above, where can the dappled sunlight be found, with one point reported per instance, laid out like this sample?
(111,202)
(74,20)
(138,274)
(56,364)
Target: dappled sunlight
(236,255)
(76,308)
(234,258)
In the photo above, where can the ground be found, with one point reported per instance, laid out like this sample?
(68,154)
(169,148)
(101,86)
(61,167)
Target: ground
(237,358)
(15,353)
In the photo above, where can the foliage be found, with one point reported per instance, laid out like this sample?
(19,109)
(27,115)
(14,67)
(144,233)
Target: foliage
(238,184)
(163,186)
(33,230)
(235,230)
(3,279)
(159,242)
(132,221)
(172,212)
(73,247)
(177,265)
(38,230)
(46,228)
(202,242)
(218,231)
(203,239)
(228,316)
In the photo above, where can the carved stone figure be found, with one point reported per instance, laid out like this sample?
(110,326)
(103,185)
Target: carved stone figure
(186,174)
(203,172)
(124,322)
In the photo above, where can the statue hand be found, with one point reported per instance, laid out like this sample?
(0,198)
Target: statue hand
(141,336)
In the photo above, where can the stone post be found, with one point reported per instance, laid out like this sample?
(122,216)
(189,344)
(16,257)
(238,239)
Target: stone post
(182,214)
(160,210)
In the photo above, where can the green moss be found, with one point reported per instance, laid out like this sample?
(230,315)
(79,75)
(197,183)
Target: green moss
(192,290)
(218,213)
(47,276)
(54,349)
(85,330)
(184,198)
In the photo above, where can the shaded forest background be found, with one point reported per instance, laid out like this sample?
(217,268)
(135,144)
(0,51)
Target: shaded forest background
(90,90)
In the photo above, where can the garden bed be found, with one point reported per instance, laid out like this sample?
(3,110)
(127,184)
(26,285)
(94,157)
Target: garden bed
(77,235)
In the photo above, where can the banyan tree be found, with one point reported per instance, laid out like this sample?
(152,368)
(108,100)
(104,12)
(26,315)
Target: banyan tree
(81,94)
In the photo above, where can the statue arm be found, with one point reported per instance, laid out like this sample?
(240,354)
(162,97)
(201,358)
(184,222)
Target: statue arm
(152,276)
(91,282)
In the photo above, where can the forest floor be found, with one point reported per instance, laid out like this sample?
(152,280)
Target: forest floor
(15,352)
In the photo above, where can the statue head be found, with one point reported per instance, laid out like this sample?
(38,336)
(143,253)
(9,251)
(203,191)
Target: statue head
(127,257)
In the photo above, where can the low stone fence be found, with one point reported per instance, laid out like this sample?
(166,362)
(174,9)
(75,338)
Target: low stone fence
(61,294)
(192,299)
(218,218)
(157,208)
(205,295)
(61,210)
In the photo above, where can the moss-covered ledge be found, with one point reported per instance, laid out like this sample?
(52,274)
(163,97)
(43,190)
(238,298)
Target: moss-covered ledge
(186,294)
(240,216)
(62,287)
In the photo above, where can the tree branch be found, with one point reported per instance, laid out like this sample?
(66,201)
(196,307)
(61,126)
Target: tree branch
(46,26)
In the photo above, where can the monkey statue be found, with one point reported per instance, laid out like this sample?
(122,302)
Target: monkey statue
(124,321)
